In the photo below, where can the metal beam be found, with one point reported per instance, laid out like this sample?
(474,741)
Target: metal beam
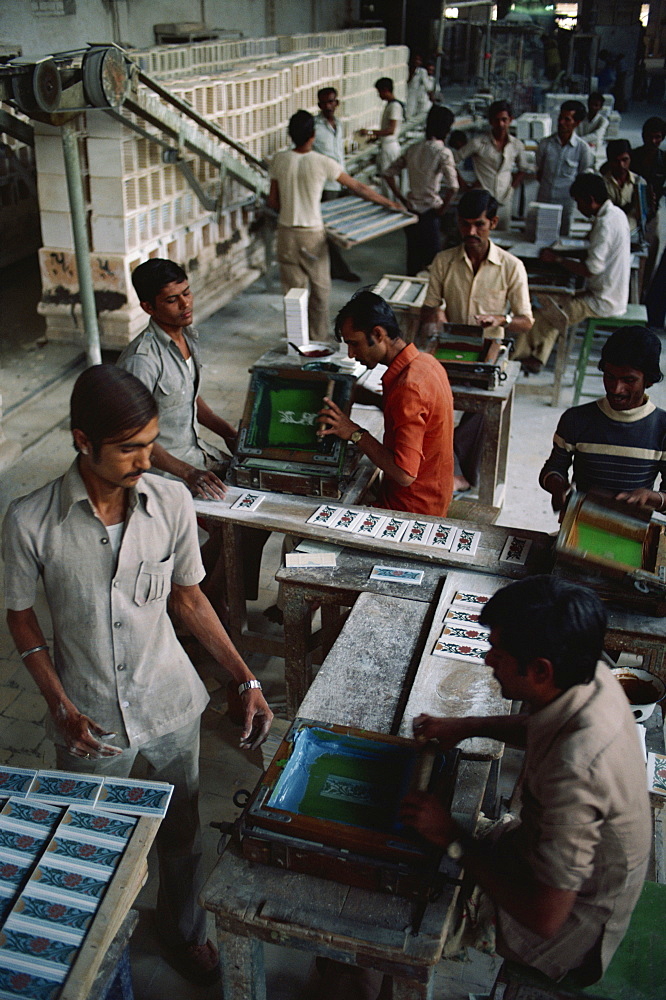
(11,125)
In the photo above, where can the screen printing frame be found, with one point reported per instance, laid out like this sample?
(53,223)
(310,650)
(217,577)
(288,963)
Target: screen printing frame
(339,383)
(485,371)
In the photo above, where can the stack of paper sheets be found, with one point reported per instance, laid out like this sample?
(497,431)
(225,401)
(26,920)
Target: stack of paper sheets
(296,317)
(542,223)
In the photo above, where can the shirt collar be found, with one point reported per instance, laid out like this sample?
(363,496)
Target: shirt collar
(163,337)
(73,490)
(626,416)
(493,256)
(545,723)
(400,361)
(573,141)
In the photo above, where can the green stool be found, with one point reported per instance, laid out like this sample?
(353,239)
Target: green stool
(636,315)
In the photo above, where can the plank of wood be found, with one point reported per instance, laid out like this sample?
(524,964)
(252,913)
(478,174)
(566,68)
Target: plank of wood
(361,680)
(123,889)
(446,686)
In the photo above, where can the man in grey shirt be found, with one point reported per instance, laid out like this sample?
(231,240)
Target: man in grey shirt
(330,141)
(111,546)
(560,158)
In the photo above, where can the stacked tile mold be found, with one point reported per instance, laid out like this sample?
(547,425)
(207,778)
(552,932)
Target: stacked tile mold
(141,207)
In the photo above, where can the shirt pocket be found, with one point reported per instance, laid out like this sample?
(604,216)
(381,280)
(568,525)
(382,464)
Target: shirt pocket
(490,301)
(169,392)
(153,582)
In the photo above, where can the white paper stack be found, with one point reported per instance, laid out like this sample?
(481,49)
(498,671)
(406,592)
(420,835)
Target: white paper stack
(542,222)
(296,318)
(533,126)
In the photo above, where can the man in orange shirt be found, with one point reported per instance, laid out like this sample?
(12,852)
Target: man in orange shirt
(416,455)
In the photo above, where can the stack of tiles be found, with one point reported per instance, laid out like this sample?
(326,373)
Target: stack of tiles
(542,223)
(463,637)
(296,318)
(532,126)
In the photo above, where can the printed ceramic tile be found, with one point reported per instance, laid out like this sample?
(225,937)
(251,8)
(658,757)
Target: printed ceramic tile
(98,821)
(442,536)
(393,529)
(14,870)
(370,524)
(63,787)
(84,853)
(516,550)
(16,780)
(656,773)
(33,811)
(22,838)
(141,798)
(325,514)
(32,913)
(347,519)
(472,652)
(18,980)
(470,598)
(466,633)
(38,947)
(397,574)
(417,532)
(466,542)
(248,501)
(58,879)
(462,613)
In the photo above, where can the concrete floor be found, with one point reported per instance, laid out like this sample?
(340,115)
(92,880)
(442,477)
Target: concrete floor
(36,379)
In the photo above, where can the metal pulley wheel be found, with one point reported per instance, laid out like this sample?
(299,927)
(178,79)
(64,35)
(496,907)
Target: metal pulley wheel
(39,90)
(105,77)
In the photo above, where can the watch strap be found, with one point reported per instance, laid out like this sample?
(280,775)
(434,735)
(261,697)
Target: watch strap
(248,685)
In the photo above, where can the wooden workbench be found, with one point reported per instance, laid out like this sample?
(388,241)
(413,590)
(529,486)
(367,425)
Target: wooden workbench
(254,903)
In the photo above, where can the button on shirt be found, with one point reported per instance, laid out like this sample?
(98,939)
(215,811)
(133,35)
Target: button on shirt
(418,430)
(115,649)
(330,142)
(495,167)
(501,280)
(154,358)
(609,262)
(585,824)
(430,164)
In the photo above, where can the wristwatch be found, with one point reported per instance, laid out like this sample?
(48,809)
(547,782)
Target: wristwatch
(356,435)
(247,685)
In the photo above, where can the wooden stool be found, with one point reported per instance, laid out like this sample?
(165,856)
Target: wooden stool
(636,315)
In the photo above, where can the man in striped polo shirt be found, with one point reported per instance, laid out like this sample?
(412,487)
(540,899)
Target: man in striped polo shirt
(617,443)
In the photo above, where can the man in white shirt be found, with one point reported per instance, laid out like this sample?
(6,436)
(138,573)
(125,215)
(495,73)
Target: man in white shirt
(560,158)
(606,269)
(594,126)
(297,180)
(429,165)
(388,132)
(330,141)
(499,159)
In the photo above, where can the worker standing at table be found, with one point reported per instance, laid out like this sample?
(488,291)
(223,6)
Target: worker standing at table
(416,455)
(617,444)
(560,158)
(559,880)
(429,165)
(388,132)
(298,177)
(500,161)
(594,125)
(330,141)
(606,268)
(112,546)
(481,284)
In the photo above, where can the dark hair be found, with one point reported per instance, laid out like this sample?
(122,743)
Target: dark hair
(108,403)
(577,107)
(367,310)
(550,618)
(150,277)
(325,90)
(589,186)
(597,95)
(616,147)
(634,347)
(438,122)
(654,124)
(384,83)
(301,127)
(474,203)
(458,136)
(497,107)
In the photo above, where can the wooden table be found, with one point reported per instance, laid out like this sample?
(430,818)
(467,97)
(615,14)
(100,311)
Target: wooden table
(364,684)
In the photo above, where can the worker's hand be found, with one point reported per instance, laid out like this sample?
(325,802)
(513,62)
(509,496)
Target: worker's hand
(447,731)
(548,256)
(488,319)
(231,442)
(338,423)
(257,719)
(642,498)
(560,491)
(205,484)
(83,737)
(397,207)
(428,817)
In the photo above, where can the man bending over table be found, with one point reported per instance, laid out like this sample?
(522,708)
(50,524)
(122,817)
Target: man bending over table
(565,875)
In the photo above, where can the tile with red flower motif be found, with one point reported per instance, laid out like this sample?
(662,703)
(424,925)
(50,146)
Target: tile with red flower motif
(97,821)
(17,839)
(34,915)
(58,879)
(20,979)
(16,780)
(32,811)
(85,851)
(63,787)
(140,798)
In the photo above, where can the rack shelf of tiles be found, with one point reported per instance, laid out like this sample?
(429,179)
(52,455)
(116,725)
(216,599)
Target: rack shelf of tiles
(62,838)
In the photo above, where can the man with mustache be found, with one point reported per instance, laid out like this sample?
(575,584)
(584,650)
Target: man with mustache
(112,546)
(476,283)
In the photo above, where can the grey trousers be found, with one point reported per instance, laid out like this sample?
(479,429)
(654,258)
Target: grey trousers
(173,758)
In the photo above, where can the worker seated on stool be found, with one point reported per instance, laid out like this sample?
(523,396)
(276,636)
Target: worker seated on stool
(558,883)
(476,283)
(617,443)
(606,267)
